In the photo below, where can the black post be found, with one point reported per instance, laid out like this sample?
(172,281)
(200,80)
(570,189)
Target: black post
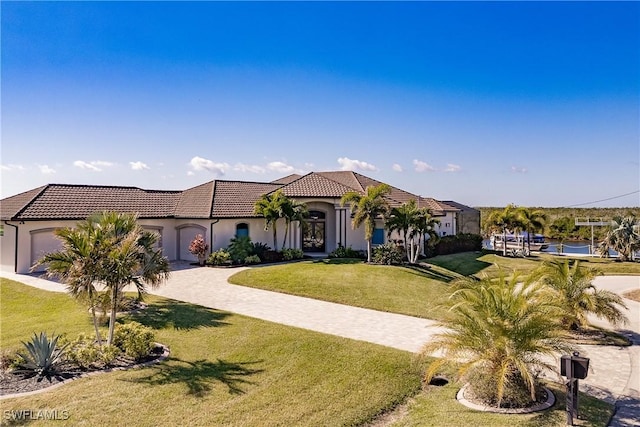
(575,399)
(569,403)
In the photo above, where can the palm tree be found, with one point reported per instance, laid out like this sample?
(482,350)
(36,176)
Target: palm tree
(111,251)
(292,211)
(500,332)
(425,226)
(366,208)
(403,219)
(270,206)
(624,237)
(504,221)
(532,221)
(576,294)
(75,265)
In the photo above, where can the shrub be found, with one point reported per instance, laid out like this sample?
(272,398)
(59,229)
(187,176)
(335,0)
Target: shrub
(134,339)
(259,249)
(198,246)
(252,259)
(43,356)
(8,361)
(240,248)
(85,352)
(291,254)
(342,252)
(219,257)
(387,254)
(272,256)
(464,242)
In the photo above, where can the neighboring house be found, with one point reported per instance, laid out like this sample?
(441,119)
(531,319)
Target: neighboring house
(467,218)
(219,210)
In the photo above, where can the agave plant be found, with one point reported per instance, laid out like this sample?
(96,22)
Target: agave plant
(44,356)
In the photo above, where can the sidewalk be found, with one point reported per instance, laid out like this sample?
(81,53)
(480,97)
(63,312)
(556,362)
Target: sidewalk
(615,373)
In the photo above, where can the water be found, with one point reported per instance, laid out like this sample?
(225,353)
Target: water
(577,247)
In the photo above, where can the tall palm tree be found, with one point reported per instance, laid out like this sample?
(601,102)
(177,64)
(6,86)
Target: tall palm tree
(504,221)
(270,206)
(116,252)
(365,208)
(576,294)
(500,332)
(532,221)
(293,210)
(624,237)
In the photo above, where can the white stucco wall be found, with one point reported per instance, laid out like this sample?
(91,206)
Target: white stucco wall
(447,226)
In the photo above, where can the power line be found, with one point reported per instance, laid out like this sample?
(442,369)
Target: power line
(604,200)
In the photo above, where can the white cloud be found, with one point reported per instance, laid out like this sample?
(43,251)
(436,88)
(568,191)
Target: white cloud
(347,164)
(46,170)
(138,166)
(281,167)
(190,173)
(95,165)
(241,167)
(421,166)
(396,167)
(517,169)
(12,167)
(452,168)
(199,164)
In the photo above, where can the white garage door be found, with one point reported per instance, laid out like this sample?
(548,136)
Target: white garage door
(187,234)
(43,242)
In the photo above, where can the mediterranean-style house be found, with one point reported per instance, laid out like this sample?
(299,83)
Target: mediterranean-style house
(219,210)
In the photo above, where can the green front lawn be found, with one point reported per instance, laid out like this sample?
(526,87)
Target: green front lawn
(224,369)
(411,291)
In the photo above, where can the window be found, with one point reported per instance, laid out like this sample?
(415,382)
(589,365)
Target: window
(378,236)
(242,230)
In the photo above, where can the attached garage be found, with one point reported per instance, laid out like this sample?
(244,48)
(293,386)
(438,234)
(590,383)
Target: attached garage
(43,241)
(186,234)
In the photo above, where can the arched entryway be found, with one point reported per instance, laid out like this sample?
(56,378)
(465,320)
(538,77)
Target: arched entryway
(315,232)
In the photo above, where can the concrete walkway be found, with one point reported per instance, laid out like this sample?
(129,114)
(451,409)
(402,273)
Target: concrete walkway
(615,373)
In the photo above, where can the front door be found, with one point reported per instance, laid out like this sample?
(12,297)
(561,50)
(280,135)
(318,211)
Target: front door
(313,239)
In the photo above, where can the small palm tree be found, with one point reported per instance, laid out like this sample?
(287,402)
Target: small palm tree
(624,237)
(500,332)
(532,221)
(270,206)
(403,219)
(292,211)
(576,294)
(425,226)
(365,208)
(76,265)
(108,250)
(504,221)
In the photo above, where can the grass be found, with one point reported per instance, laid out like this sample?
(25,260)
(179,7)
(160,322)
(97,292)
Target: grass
(433,407)
(415,292)
(224,369)
(478,263)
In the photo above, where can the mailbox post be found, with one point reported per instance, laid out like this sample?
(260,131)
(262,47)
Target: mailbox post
(574,368)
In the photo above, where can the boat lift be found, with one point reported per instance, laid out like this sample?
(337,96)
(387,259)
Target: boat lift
(592,222)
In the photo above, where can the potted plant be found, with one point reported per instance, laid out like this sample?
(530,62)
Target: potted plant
(199,248)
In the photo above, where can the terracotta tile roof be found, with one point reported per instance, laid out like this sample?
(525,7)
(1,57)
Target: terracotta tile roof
(57,201)
(11,206)
(196,202)
(235,199)
(315,185)
(458,206)
(286,179)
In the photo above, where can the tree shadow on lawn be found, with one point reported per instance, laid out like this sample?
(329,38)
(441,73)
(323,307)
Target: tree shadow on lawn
(429,273)
(338,261)
(200,375)
(179,315)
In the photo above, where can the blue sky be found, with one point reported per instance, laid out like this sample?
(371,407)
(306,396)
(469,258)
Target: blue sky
(532,103)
